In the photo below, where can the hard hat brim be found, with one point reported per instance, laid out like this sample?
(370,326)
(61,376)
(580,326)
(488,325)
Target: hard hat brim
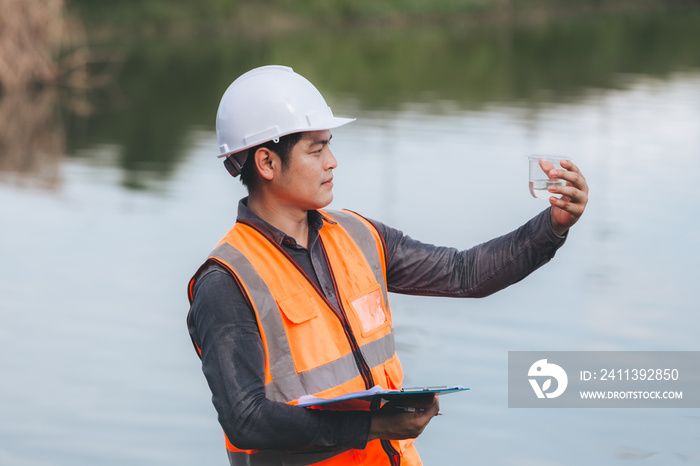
(329,123)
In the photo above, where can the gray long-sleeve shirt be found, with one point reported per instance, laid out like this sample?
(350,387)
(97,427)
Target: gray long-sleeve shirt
(223,325)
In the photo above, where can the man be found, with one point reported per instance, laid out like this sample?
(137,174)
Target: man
(293,300)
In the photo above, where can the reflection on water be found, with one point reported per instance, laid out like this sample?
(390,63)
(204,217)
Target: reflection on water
(32,139)
(97,365)
(166,88)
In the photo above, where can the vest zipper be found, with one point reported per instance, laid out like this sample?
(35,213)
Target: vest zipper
(342,315)
(394,457)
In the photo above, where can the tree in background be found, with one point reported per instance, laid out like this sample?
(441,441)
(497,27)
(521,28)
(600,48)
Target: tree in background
(30,33)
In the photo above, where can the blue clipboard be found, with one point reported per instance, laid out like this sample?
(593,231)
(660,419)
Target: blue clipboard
(377,391)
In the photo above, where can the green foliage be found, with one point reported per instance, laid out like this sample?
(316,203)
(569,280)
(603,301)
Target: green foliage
(168,86)
(242,14)
(157,12)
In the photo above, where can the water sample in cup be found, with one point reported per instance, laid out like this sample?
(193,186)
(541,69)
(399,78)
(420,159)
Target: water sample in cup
(539,180)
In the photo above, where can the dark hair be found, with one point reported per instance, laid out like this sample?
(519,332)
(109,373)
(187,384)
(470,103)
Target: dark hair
(283,149)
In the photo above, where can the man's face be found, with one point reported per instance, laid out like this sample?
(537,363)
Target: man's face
(307,180)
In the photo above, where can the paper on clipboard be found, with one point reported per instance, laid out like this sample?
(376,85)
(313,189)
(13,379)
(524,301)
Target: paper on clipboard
(377,391)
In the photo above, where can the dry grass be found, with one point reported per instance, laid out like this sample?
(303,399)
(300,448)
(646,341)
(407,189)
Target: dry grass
(44,61)
(32,140)
(30,32)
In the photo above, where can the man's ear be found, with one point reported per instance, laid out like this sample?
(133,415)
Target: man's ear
(266,161)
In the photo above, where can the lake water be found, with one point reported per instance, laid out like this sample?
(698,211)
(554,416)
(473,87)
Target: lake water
(105,217)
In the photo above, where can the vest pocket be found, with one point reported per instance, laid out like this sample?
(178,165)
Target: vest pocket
(369,311)
(310,331)
(298,307)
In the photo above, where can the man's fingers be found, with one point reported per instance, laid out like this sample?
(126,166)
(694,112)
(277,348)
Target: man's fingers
(405,419)
(574,178)
(573,175)
(570,172)
(423,405)
(572,192)
(569,165)
(567,209)
(568,205)
(546,166)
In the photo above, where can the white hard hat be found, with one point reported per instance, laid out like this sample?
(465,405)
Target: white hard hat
(267,103)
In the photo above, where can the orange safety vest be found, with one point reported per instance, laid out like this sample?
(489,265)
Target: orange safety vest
(312,348)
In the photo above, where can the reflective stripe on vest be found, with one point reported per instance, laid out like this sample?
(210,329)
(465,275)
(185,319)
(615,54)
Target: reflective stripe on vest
(366,241)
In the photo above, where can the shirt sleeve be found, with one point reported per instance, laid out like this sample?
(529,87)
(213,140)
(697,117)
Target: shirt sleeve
(223,326)
(418,268)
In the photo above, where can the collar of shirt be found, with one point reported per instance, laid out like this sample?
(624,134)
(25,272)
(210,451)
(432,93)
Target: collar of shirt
(316,220)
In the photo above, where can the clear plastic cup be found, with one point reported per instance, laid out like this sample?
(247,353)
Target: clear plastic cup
(539,180)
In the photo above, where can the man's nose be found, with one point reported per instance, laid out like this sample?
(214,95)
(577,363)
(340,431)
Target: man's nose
(331,162)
